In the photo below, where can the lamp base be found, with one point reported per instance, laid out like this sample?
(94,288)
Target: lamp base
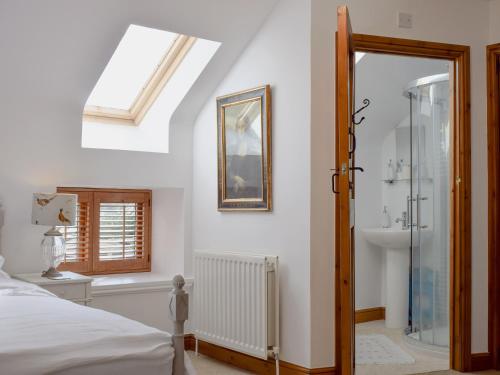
(52,273)
(53,251)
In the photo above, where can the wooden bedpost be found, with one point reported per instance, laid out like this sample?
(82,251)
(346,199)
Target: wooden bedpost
(178,311)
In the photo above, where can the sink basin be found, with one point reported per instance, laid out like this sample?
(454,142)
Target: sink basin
(393,238)
(389,238)
(396,242)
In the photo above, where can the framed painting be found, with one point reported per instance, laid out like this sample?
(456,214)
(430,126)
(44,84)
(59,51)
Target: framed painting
(244,150)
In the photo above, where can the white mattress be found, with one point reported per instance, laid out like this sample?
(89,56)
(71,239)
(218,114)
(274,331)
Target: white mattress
(42,334)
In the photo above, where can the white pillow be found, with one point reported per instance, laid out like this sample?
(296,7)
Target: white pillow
(3,274)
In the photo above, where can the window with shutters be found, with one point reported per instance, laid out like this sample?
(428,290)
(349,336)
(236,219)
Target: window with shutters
(112,233)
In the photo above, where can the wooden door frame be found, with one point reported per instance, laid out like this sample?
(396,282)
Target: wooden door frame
(460,182)
(493,82)
(344,161)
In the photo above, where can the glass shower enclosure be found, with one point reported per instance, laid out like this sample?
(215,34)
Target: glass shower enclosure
(428,207)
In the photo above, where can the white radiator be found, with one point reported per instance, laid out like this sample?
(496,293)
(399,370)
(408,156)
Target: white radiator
(236,301)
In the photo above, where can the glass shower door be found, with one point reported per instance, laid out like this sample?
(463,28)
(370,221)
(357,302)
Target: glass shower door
(416,310)
(428,206)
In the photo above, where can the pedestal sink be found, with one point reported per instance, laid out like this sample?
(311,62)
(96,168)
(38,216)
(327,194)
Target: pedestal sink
(397,244)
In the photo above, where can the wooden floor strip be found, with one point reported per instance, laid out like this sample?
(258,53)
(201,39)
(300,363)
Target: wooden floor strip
(368,315)
(249,363)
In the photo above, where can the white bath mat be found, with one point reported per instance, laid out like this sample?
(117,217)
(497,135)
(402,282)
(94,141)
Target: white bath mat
(379,350)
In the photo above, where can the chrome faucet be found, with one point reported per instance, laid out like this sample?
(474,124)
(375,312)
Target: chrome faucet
(403,220)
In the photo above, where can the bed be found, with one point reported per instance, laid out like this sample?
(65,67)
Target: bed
(43,334)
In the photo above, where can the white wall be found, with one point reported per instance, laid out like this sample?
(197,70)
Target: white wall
(147,304)
(279,55)
(168,231)
(137,306)
(369,260)
(450,21)
(494,31)
(57,51)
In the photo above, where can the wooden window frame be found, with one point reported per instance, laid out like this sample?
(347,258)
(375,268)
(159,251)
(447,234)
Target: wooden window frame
(95,196)
(149,93)
(83,267)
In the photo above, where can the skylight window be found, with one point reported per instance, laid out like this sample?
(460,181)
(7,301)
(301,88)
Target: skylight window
(135,60)
(149,75)
(143,63)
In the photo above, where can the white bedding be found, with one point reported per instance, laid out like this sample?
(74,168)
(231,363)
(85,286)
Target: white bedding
(42,334)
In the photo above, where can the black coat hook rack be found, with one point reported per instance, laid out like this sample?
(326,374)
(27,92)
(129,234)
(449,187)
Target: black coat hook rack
(366,103)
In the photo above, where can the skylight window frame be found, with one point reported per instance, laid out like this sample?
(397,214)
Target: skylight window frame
(150,91)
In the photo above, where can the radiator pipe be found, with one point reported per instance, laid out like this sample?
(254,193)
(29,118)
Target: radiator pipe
(277,359)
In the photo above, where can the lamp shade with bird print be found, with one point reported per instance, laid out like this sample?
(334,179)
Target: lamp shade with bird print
(54,209)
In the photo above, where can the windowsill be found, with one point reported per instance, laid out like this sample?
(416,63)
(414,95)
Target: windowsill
(129,283)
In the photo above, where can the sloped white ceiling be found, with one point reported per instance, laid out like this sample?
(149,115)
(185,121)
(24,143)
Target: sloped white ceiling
(382,79)
(64,45)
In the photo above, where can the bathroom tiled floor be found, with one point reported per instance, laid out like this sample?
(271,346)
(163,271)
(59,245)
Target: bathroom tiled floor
(423,362)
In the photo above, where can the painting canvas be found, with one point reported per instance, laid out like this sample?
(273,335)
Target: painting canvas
(244,127)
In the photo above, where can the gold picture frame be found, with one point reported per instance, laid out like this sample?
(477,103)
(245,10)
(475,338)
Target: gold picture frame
(244,150)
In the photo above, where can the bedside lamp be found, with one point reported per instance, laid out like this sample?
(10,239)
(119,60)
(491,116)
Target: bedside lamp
(53,210)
